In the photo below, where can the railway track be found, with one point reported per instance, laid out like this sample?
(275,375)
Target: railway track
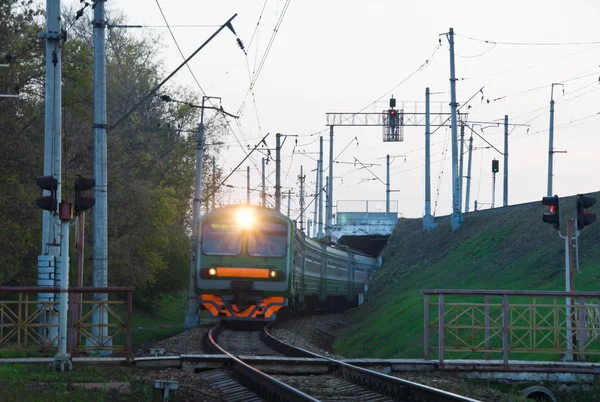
(342,382)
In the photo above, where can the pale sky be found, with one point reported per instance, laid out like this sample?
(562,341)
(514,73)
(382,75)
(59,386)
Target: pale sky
(341,56)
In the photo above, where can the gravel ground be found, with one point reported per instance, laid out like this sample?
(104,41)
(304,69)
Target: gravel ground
(191,341)
(316,333)
(191,386)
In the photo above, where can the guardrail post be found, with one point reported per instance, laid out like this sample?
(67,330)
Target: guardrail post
(581,336)
(426,326)
(487,328)
(129,316)
(441,329)
(505,337)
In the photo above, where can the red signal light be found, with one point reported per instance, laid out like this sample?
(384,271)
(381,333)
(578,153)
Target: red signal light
(552,208)
(393,112)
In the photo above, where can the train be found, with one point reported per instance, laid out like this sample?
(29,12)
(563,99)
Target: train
(254,264)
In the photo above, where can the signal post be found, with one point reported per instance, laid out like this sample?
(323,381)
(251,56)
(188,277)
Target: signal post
(583,219)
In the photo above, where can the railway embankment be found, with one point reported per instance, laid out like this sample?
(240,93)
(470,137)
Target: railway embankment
(503,248)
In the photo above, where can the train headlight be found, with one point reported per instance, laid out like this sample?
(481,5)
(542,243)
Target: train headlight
(245,218)
(273,274)
(212,272)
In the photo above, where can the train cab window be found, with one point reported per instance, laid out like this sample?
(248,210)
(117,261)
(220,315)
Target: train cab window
(221,238)
(268,240)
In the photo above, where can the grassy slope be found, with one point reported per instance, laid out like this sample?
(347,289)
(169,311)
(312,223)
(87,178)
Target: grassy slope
(505,248)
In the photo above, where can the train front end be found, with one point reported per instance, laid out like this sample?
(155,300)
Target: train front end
(244,270)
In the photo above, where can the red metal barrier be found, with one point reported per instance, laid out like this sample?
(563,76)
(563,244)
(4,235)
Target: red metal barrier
(503,323)
(26,324)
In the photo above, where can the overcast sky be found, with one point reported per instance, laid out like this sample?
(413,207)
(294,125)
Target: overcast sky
(342,56)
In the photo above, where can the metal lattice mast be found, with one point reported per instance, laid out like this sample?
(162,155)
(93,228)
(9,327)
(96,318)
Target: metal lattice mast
(301,178)
(387,184)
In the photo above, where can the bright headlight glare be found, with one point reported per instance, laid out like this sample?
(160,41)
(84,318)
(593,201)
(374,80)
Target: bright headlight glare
(212,272)
(273,274)
(245,218)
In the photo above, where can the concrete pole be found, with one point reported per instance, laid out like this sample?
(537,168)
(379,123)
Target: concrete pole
(456,209)
(461,162)
(191,317)
(100,211)
(469,174)
(387,184)
(314,232)
(330,185)
(52,160)
(551,149)
(62,358)
(320,199)
(505,198)
(428,218)
(327,202)
(493,190)
(263,194)
(248,185)
(277,172)
(301,199)
(289,202)
(569,288)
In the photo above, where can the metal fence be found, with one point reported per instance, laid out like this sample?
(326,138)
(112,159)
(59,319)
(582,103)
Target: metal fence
(29,325)
(506,324)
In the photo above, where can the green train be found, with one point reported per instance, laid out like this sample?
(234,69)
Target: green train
(254,262)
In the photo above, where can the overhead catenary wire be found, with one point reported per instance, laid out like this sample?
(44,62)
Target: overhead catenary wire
(495,42)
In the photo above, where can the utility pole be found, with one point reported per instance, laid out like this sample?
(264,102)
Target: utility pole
(551,150)
(263,193)
(505,198)
(327,201)
(456,208)
(248,185)
(214,183)
(461,161)
(330,185)
(289,202)
(387,184)
(100,213)
(469,174)
(277,172)
(428,223)
(314,232)
(493,189)
(191,317)
(52,160)
(301,178)
(320,193)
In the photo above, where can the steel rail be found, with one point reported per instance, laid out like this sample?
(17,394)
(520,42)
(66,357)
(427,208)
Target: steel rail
(374,380)
(268,387)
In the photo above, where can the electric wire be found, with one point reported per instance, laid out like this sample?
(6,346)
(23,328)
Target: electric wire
(529,43)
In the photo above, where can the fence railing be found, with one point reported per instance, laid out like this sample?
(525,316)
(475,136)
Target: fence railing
(27,324)
(503,324)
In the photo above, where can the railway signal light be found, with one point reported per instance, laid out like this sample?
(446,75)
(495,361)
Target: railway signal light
(585,218)
(393,118)
(553,216)
(47,202)
(82,202)
(495,166)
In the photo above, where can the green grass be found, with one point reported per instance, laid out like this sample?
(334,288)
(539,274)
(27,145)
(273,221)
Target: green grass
(43,383)
(505,248)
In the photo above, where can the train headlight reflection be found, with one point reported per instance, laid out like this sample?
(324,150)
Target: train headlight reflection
(245,218)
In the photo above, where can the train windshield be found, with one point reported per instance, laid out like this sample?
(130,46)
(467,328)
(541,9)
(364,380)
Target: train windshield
(268,240)
(221,238)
